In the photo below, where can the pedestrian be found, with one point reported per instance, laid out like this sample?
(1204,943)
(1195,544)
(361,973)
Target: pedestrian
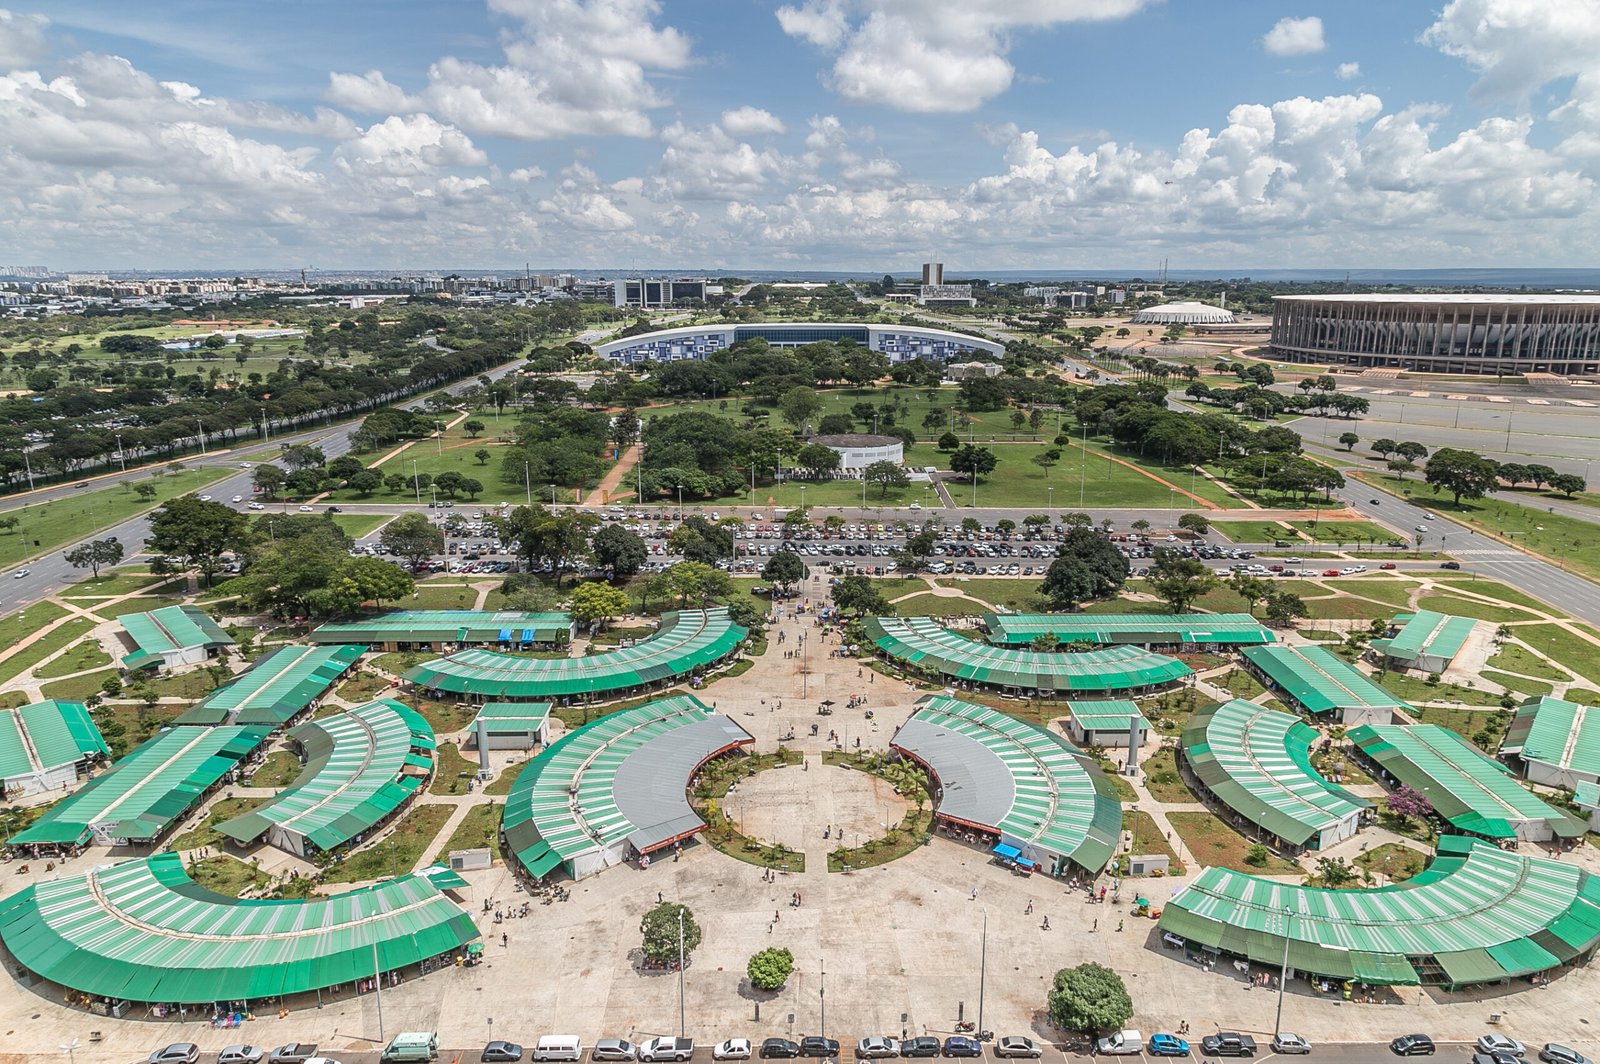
(1119,925)
(659,898)
(1029,910)
(774,916)
(1096,926)
(974,893)
(504,940)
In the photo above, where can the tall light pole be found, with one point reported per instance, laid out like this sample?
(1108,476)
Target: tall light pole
(682,1023)
(822,995)
(1283,972)
(416,482)
(552,495)
(1083,462)
(377,982)
(527,485)
(121,457)
(983,968)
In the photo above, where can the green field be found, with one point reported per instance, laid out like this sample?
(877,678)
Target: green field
(80,658)
(1342,533)
(358,525)
(77,688)
(448,775)
(111,582)
(398,853)
(1570,651)
(1252,531)
(1489,589)
(1513,657)
(26,658)
(1385,589)
(479,828)
(1483,611)
(1414,689)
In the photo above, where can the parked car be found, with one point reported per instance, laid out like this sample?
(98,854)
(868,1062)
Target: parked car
(1388,565)
(1120,1043)
(783,1049)
(292,1053)
(1228,1044)
(1494,1058)
(1556,1053)
(959,1045)
(1015,1045)
(1413,1045)
(1449,565)
(731,1049)
(614,1049)
(1284,1042)
(1168,1045)
(176,1053)
(240,1055)
(658,1049)
(501,1051)
(923,1045)
(877,1047)
(1500,1043)
(815,1045)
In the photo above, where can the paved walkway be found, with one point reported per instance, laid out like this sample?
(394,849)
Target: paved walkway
(601,495)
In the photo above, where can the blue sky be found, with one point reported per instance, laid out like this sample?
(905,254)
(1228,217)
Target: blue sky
(859,134)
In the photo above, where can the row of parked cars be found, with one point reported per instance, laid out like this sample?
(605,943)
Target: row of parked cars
(874,1047)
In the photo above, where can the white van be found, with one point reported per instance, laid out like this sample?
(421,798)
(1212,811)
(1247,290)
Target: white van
(411,1047)
(558,1047)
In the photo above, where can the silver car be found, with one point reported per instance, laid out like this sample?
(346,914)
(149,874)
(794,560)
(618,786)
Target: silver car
(176,1053)
(1284,1042)
(240,1055)
(614,1049)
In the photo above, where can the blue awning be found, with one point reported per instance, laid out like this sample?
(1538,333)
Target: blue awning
(1010,853)
(527,635)
(505,635)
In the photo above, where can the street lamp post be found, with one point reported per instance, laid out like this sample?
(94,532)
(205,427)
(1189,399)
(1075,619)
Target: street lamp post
(822,996)
(527,484)
(983,968)
(121,457)
(416,482)
(552,495)
(1283,972)
(682,1023)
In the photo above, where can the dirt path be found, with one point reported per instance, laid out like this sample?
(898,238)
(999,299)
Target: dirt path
(601,495)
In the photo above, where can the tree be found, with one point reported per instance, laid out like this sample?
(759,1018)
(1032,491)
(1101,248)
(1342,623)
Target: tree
(94,554)
(697,584)
(449,482)
(784,570)
(886,475)
(1194,523)
(556,540)
(1283,607)
(1179,580)
(664,927)
(1333,872)
(949,442)
(1349,439)
(817,459)
(1462,473)
(473,427)
(975,462)
(797,405)
(1046,458)
(269,479)
(858,595)
(1568,484)
(698,540)
(366,482)
(1257,854)
(198,532)
(303,456)
(770,969)
(1383,447)
(1250,588)
(147,491)
(1089,998)
(619,550)
(1407,803)
(483,454)
(412,537)
(597,601)
(1411,449)
(1087,566)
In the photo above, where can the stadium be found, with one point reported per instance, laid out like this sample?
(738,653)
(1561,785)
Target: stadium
(900,343)
(1484,334)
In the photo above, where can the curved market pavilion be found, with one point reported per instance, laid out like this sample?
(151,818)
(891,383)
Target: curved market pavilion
(925,646)
(687,640)
(144,931)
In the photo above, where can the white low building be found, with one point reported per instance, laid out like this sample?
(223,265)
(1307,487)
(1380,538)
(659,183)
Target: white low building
(857,451)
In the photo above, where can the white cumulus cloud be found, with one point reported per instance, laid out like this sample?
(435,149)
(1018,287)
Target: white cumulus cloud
(751,122)
(1348,71)
(22,39)
(1295,36)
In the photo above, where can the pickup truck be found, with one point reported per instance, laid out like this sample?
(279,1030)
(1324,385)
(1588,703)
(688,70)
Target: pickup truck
(1228,1044)
(1122,1043)
(293,1053)
(658,1049)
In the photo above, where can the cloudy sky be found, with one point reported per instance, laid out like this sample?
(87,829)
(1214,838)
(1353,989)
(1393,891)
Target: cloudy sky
(825,134)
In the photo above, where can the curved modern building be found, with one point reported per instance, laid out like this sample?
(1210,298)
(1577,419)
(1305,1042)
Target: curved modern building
(1183,314)
(1499,334)
(899,343)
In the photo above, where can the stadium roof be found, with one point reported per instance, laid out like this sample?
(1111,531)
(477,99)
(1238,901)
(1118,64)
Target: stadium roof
(1186,313)
(275,688)
(361,765)
(685,641)
(621,778)
(1143,628)
(511,716)
(1426,634)
(1318,680)
(1448,297)
(1471,790)
(46,735)
(1257,762)
(449,626)
(1111,714)
(1029,784)
(144,931)
(1477,914)
(169,629)
(1555,732)
(924,644)
(142,795)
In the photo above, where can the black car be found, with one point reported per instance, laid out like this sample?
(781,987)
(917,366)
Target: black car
(814,1045)
(780,1049)
(1449,565)
(1228,1044)
(924,1045)
(959,1045)
(1413,1045)
(501,1051)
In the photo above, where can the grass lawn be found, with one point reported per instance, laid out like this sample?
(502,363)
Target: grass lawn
(1396,593)
(901,839)
(1162,779)
(1464,721)
(111,612)
(1414,689)
(357,525)
(1462,607)
(443,717)
(227,875)
(55,524)
(79,658)
(110,582)
(362,687)
(1120,605)
(1020,594)
(1241,684)
(13,700)
(1394,861)
(1321,635)
(398,853)
(479,828)
(1343,533)
(1346,608)
(279,770)
(1567,649)
(193,685)
(48,644)
(1514,657)
(1212,842)
(1170,711)
(501,784)
(1147,839)
(1517,684)
(451,596)
(447,777)
(1490,589)
(26,621)
(77,688)
(1252,531)
(205,834)
(934,606)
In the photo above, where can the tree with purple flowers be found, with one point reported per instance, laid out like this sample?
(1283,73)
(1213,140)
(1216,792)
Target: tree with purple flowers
(1408,803)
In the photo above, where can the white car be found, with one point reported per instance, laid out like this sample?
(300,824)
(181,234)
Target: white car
(915,506)
(20,573)
(176,1053)
(731,1049)
(307,510)
(1284,1042)
(247,465)
(257,506)
(877,1047)
(1500,1043)
(205,498)
(238,498)
(239,1055)
(1422,528)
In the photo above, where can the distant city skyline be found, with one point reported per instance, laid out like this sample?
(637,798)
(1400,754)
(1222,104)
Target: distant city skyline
(814,135)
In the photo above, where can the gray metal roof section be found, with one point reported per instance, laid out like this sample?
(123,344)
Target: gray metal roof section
(977,786)
(650,784)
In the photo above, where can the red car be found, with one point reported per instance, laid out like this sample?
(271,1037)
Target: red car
(1330,572)
(1387,565)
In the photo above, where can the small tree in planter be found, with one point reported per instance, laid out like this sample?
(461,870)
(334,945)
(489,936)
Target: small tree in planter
(770,969)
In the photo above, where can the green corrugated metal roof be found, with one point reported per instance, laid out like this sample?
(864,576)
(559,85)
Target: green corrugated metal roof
(46,735)
(1562,735)
(354,776)
(140,796)
(1426,633)
(144,931)
(448,626)
(276,687)
(1318,680)
(1060,799)
(1587,796)
(1474,903)
(924,644)
(1107,714)
(167,629)
(1144,628)
(1258,762)
(685,641)
(511,716)
(1469,789)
